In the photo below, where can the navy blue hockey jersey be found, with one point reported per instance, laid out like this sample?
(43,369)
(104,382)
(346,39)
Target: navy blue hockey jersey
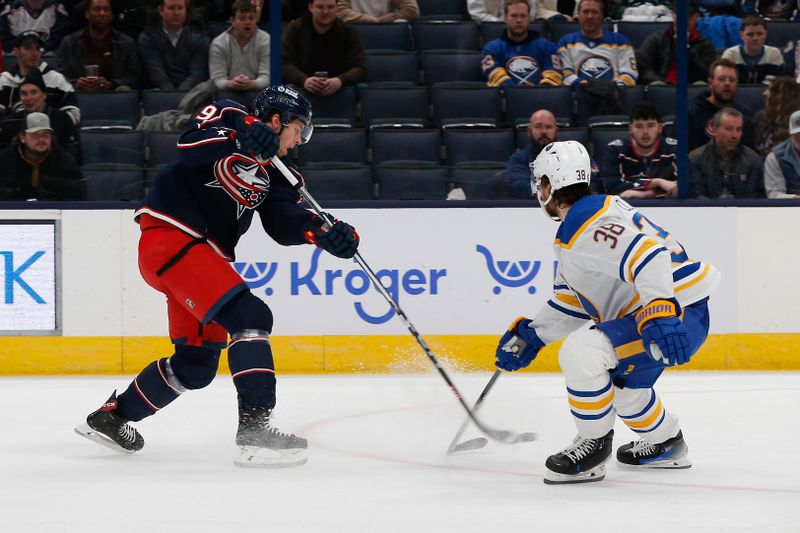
(214,186)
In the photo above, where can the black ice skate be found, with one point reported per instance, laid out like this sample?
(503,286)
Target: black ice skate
(262,445)
(582,462)
(106,427)
(672,453)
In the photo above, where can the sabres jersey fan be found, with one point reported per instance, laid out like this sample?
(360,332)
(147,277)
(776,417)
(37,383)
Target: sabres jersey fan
(647,302)
(519,58)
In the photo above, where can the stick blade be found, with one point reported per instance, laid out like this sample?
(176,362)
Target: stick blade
(468,445)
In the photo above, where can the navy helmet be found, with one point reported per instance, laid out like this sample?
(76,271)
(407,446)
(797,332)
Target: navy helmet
(290,105)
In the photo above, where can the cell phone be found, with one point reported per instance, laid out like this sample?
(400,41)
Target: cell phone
(321,74)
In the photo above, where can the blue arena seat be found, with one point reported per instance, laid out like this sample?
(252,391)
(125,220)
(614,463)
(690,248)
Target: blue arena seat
(633,95)
(477,145)
(395,36)
(445,35)
(752,94)
(451,100)
(600,137)
(636,32)
(243,98)
(412,180)
(405,143)
(450,65)
(113,182)
(443,9)
(480,180)
(348,145)
(341,104)
(162,147)
(521,102)
(575,134)
(108,109)
(339,181)
(393,66)
(154,101)
(396,101)
(781,32)
(117,147)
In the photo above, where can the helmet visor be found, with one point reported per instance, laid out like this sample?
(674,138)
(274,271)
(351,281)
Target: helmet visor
(307,131)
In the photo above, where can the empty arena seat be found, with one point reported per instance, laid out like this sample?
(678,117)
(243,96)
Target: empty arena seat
(339,181)
(112,147)
(108,109)
(781,32)
(113,182)
(395,36)
(443,9)
(154,101)
(450,65)
(341,104)
(521,102)
(162,147)
(243,98)
(451,100)
(445,35)
(477,145)
(392,65)
(347,145)
(412,180)
(405,144)
(480,180)
(396,101)
(600,137)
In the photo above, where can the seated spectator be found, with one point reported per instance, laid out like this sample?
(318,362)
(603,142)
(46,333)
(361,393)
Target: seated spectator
(173,54)
(656,56)
(377,11)
(755,61)
(643,165)
(98,57)
(321,53)
(239,57)
(33,97)
(773,9)
(37,168)
(791,59)
(722,84)
(782,165)
(555,10)
(600,63)
(781,99)
(723,167)
(639,11)
(48,17)
(60,94)
(519,58)
(491,10)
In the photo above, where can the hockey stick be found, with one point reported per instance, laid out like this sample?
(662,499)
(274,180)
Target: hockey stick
(479,442)
(504,436)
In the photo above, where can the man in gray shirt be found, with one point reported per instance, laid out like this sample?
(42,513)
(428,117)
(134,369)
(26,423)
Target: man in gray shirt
(239,57)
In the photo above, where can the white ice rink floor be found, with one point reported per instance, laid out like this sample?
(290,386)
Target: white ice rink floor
(377,460)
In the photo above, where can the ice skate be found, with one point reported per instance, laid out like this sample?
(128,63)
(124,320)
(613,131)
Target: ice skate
(672,453)
(262,445)
(106,427)
(582,462)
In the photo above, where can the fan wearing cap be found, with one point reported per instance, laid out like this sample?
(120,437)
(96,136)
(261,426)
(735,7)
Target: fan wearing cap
(37,168)
(48,17)
(782,165)
(60,94)
(33,96)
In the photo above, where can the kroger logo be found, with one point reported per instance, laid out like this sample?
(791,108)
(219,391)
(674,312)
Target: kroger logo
(510,273)
(13,270)
(354,281)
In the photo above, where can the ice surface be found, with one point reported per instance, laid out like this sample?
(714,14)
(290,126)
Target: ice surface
(377,460)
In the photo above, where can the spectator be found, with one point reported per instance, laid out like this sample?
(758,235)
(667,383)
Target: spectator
(723,167)
(491,10)
(60,94)
(656,56)
(239,57)
(781,99)
(639,11)
(321,53)
(773,9)
(48,17)
(33,97)
(600,63)
(174,55)
(377,11)
(519,58)
(111,54)
(722,84)
(37,168)
(791,59)
(542,130)
(642,166)
(755,61)
(782,166)
(555,10)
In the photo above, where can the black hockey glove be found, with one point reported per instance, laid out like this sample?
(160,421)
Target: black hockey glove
(256,137)
(340,239)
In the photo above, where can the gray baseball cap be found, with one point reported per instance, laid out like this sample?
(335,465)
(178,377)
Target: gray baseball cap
(36,122)
(794,123)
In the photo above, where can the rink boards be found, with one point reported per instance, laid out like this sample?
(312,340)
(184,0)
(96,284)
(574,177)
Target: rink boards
(74,302)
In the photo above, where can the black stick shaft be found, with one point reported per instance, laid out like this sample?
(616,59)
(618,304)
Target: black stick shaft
(475,409)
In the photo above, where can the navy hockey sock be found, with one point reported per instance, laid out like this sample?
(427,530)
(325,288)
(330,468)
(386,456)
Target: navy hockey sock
(252,368)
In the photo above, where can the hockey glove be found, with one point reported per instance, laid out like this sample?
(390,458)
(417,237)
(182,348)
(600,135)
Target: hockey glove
(340,239)
(518,346)
(256,138)
(664,336)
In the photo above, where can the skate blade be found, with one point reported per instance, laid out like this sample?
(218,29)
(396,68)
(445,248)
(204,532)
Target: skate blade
(597,473)
(257,457)
(87,432)
(664,464)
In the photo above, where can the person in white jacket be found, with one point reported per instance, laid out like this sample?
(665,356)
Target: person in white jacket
(239,57)
(491,10)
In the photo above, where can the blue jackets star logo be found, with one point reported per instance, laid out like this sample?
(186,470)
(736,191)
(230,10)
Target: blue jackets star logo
(245,180)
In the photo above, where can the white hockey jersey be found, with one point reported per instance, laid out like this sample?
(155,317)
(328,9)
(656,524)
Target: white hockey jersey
(612,260)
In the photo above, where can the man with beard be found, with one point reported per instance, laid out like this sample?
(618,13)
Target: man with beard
(239,57)
(723,79)
(642,166)
(542,130)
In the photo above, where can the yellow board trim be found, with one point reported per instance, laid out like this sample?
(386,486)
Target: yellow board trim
(364,354)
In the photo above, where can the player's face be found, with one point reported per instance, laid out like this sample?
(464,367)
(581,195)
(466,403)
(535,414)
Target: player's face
(517,19)
(729,133)
(323,12)
(290,137)
(645,132)
(542,129)
(38,142)
(29,55)
(723,83)
(244,23)
(98,15)
(754,38)
(173,13)
(32,97)
(590,17)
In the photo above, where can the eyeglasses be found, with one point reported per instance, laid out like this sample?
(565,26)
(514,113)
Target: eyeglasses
(726,79)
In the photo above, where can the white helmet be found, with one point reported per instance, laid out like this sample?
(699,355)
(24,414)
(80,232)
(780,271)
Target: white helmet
(564,163)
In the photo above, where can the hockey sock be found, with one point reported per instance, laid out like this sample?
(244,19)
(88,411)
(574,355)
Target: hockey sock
(591,403)
(153,389)
(643,412)
(252,368)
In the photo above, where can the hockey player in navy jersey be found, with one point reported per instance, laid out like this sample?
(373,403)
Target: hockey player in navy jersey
(646,302)
(196,211)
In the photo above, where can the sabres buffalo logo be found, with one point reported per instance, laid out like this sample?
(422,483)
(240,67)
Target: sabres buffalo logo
(244,179)
(597,68)
(524,70)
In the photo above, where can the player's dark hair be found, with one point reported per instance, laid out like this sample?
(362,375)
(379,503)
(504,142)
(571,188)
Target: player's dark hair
(644,111)
(572,193)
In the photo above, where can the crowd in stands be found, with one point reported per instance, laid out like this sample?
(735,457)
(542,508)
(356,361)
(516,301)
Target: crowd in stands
(487,82)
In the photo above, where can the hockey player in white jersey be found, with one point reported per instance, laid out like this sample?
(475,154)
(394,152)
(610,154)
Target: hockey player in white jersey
(646,303)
